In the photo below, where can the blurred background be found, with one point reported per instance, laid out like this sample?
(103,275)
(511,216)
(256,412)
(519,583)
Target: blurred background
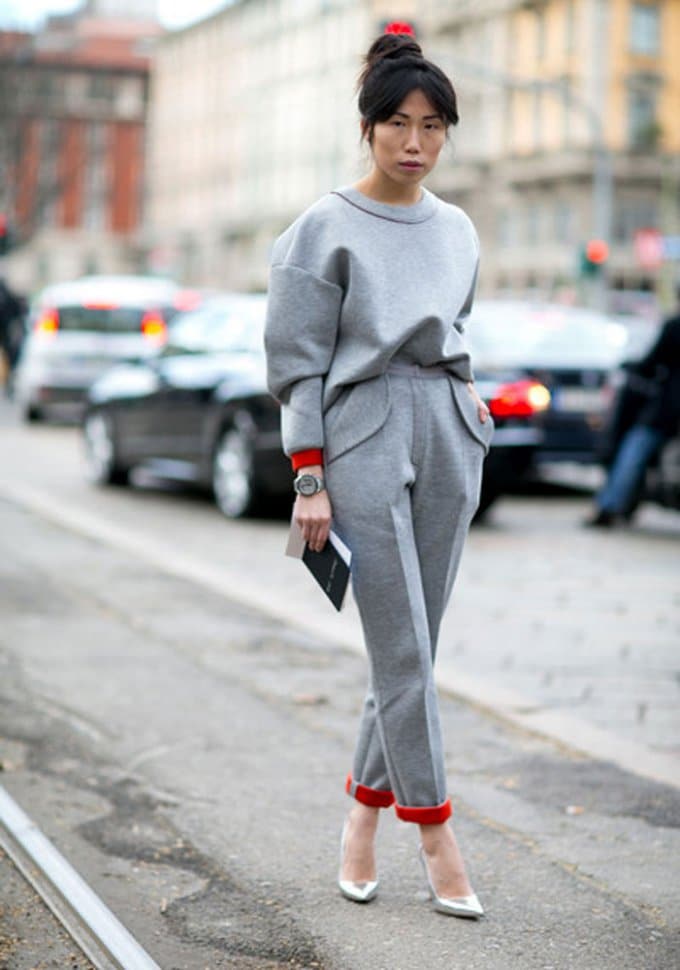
(132,143)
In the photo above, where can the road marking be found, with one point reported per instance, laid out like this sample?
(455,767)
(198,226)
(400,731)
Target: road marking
(567,731)
(98,933)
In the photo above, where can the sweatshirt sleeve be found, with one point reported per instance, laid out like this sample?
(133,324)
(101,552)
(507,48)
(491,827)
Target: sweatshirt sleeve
(303,311)
(464,313)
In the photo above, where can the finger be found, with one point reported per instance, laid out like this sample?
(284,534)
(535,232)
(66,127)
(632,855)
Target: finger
(320,537)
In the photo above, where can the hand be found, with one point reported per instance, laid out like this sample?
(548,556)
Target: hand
(313,515)
(482,409)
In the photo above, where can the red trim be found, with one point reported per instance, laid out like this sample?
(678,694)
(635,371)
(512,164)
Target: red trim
(425,816)
(375,797)
(313,456)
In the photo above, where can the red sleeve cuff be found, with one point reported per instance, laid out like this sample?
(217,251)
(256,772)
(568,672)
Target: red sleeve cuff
(313,456)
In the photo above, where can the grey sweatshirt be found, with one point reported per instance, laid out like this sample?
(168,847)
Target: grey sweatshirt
(356,285)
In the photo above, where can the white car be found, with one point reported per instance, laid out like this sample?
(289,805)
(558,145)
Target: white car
(77,330)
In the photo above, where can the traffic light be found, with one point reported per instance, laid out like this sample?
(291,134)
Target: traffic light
(594,255)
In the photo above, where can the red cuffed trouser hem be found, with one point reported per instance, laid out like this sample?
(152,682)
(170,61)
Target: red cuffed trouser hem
(425,816)
(375,797)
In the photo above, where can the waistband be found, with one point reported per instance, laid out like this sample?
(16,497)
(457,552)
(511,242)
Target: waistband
(417,370)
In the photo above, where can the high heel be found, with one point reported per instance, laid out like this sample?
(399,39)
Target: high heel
(468,907)
(358,892)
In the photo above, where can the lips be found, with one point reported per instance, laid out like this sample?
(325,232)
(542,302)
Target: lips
(411,165)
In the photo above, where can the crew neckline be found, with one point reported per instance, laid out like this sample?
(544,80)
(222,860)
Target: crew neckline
(420,211)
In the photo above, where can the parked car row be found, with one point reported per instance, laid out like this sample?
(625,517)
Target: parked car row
(177,385)
(76,330)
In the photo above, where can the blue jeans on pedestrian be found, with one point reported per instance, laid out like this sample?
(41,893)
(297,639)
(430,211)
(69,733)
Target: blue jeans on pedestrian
(638,447)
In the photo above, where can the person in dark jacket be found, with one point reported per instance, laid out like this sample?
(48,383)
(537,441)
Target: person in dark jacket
(657,421)
(12,308)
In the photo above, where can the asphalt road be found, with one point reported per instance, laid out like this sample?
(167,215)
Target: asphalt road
(547,618)
(186,752)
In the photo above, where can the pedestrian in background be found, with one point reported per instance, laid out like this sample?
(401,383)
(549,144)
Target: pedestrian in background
(656,421)
(12,309)
(369,291)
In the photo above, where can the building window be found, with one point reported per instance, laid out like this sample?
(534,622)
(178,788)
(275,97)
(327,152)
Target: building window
(49,189)
(643,129)
(633,215)
(96,169)
(533,224)
(645,24)
(504,229)
(570,26)
(537,117)
(564,222)
(567,110)
(101,87)
(540,33)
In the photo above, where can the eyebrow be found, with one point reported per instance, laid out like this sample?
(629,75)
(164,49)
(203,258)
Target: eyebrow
(404,114)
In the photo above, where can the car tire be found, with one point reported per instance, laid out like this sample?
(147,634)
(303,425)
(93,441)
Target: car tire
(233,479)
(101,457)
(32,414)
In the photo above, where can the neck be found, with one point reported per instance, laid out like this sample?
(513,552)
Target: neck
(378,187)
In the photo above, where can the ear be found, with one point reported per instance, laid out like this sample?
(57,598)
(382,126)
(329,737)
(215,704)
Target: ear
(365,129)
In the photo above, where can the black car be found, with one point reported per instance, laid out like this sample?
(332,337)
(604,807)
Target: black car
(571,351)
(199,412)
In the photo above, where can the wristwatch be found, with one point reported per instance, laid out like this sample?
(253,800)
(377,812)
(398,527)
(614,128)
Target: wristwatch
(308,484)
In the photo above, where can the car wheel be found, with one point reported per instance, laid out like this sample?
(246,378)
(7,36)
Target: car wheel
(233,480)
(101,459)
(32,414)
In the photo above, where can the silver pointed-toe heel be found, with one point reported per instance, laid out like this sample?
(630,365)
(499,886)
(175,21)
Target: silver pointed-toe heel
(467,907)
(358,892)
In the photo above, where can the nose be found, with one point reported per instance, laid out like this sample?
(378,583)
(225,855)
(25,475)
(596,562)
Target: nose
(412,140)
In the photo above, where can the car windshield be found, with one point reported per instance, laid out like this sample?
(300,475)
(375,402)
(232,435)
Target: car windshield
(236,327)
(551,336)
(123,319)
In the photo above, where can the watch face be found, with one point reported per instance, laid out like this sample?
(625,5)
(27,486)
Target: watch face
(306,485)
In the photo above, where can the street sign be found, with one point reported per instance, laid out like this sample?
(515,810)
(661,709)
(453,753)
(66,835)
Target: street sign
(649,248)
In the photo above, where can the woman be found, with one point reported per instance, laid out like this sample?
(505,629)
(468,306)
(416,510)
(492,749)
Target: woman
(368,293)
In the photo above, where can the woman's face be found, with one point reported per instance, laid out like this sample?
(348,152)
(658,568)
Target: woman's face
(406,146)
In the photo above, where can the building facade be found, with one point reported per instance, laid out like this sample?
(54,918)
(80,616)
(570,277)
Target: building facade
(569,131)
(73,111)
(577,135)
(252,117)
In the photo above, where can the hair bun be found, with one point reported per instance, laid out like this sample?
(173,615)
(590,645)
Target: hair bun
(393,45)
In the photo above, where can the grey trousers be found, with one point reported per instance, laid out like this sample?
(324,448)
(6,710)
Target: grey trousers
(403,500)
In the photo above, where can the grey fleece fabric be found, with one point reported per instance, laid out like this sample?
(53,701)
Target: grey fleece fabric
(356,284)
(403,502)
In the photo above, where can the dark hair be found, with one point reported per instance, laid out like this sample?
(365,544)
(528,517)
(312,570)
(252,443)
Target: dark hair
(393,67)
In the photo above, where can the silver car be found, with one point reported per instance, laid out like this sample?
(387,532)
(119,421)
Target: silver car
(77,330)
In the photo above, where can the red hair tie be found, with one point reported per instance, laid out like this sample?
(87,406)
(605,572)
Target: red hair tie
(400,27)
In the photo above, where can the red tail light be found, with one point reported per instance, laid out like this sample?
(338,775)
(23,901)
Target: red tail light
(153,327)
(519,399)
(47,323)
